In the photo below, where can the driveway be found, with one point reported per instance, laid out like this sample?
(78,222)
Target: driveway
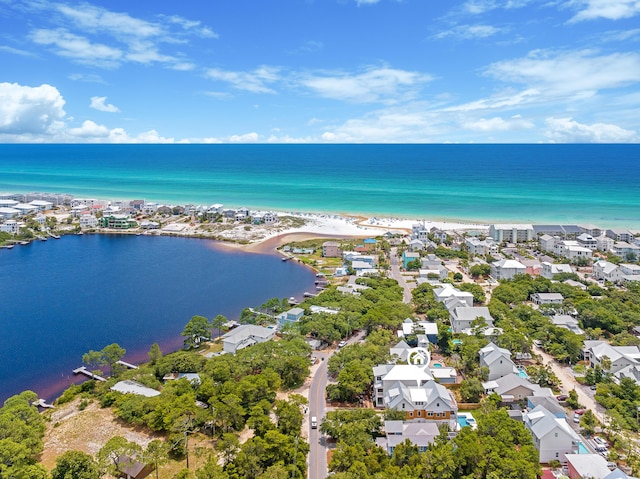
(397,275)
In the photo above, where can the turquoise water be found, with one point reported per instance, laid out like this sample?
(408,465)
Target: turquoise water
(524,183)
(523,374)
(582,449)
(437,365)
(462,420)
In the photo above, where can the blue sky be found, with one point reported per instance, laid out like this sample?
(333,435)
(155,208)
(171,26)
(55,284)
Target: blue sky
(320,71)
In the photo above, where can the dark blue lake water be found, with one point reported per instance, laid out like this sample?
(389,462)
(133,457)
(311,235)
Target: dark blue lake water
(61,298)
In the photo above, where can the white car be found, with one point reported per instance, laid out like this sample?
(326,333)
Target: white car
(342,344)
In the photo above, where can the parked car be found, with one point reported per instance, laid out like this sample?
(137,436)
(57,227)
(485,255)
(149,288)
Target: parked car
(562,397)
(599,441)
(576,418)
(342,344)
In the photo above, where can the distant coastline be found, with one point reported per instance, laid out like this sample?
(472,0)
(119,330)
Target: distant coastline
(544,184)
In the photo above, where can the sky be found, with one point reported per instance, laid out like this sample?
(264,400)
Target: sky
(320,71)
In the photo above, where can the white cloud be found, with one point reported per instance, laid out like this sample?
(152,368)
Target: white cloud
(16,51)
(78,48)
(98,103)
(28,110)
(507,99)
(497,124)
(569,72)
(246,138)
(609,9)
(366,2)
(467,32)
(255,81)
(193,25)
(86,77)
(374,85)
(567,130)
(90,129)
(476,7)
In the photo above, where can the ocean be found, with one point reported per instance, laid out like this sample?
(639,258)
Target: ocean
(565,184)
(61,298)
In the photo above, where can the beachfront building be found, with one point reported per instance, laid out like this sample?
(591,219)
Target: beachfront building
(507,269)
(331,249)
(244,336)
(118,222)
(481,247)
(420,433)
(420,232)
(511,233)
(8,212)
(10,226)
(561,231)
(552,436)
(620,235)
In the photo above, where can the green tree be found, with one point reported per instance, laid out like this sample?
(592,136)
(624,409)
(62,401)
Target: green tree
(588,422)
(218,323)
(155,353)
(93,360)
(228,445)
(112,354)
(471,390)
(197,329)
(75,465)
(116,454)
(156,453)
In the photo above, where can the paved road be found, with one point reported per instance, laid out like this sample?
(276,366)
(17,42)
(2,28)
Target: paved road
(318,447)
(397,275)
(317,443)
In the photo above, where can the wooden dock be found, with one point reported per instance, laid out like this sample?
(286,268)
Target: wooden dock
(42,403)
(127,365)
(86,372)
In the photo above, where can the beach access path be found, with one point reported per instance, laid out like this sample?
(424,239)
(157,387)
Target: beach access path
(397,275)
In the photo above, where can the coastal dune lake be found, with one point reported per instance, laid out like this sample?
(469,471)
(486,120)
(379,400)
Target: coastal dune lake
(61,298)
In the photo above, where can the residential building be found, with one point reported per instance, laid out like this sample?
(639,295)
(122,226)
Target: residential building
(41,205)
(611,358)
(604,243)
(149,208)
(416,245)
(628,251)
(552,436)
(480,248)
(412,389)
(587,241)
(462,318)
(514,387)
(606,271)
(244,336)
(289,317)
(561,231)
(549,270)
(571,249)
(497,360)
(408,256)
(419,432)
(590,466)
(547,298)
(119,222)
(620,235)
(88,221)
(25,208)
(629,269)
(8,212)
(507,269)
(132,387)
(547,242)
(511,233)
(567,322)
(592,230)
(419,231)
(10,226)
(448,292)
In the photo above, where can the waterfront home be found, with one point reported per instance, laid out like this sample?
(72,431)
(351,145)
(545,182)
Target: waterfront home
(193,378)
(25,208)
(289,317)
(618,234)
(132,387)
(419,231)
(41,220)
(507,269)
(118,222)
(511,233)
(419,433)
(439,236)
(80,210)
(88,221)
(244,336)
(497,360)
(86,202)
(10,226)
(552,436)
(149,225)
(149,208)
(592,230)
(606,271)
(331,249)
(242,214)
(546,298)
(549,270)
(4,203)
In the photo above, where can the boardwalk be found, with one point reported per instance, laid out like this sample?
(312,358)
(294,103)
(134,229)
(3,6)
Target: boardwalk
(86,372)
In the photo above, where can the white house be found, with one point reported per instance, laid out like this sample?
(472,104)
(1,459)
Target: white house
(604,270)
(587,241)
(88,221)
(448,291)
(618,357)
(546,298)
(420,433)
(10,226)
(571,249)
(549,270)
(244,336)
(547,242)
(552,436)
(462,317)
(42,205)
(497,360)
(507,269)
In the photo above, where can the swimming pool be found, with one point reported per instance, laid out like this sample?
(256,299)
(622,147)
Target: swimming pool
(462,420)
(582,449)
(437,365)
(523,374)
